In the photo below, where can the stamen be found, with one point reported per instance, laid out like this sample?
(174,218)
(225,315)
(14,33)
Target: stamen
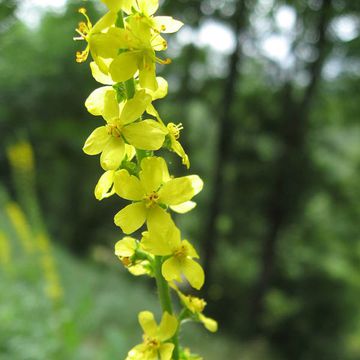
(151,199)
(181,252)
(81,56)
(175,129)
(113,130)
(163,62)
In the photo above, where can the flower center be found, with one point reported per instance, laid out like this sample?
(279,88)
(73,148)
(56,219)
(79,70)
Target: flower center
(181,253)
(151,343)
(151,199)
(113,130)
(126,260)
(174,130)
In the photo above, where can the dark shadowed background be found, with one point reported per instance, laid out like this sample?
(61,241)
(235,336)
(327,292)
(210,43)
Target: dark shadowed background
(268,92)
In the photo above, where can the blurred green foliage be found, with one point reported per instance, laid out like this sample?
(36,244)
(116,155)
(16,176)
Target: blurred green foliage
(283,251)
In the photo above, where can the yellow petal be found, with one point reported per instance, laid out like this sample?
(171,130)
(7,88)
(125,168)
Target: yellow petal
(139,269)
(171,269)
(106,21)
(95,101)
(130,152)
(148,7)
(105,183)
(161,91)
(135,107)
(152,111)
(145,135)
(190,249)
(173,235)
(128,186)
(167,327)
(123,67)
(116,5)
(104,45)
(111,107)
(125,247)
(96,142)
(113,154)
(154,173)
(167,24)
(131,217)
(100,76)
(103,64)
(166,351)
(155,245)
(210,324)
(193,272)
(157,215)
(164,236)
(147,76)
(184,207)
(179,190)
(158,43)
(148,323)
(179,150)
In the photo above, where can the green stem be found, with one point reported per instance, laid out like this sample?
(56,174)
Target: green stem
(165,300)
(163,288)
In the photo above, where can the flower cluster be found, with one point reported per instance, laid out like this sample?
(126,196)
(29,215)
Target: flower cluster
(124,46)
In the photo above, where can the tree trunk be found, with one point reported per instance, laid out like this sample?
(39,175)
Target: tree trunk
(210,235)
(289,187)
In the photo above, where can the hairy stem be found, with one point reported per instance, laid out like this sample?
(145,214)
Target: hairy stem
(165,299)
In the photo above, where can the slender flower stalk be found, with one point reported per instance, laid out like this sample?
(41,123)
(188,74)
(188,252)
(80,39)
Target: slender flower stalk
(124,46)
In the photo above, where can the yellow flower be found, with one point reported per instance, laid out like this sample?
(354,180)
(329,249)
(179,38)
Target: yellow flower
(125,250)
(154,346)
(138,42)
(166,241)
(138,55)
(131,48)
(173,133)
(146,9)
(109,140)
(87,32)
(153,191)
(104,188)
(196,306)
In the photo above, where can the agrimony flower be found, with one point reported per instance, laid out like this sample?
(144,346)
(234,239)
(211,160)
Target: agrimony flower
(151,192)
(166,241)
(154,346)
(196,306)
(173,134)
(87,32)
(104,187)
(109,140)
(126,250)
